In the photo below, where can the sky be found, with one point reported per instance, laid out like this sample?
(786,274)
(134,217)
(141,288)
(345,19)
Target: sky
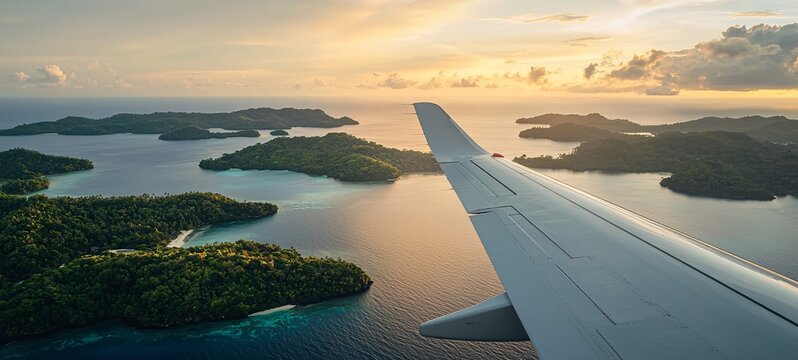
(635,48)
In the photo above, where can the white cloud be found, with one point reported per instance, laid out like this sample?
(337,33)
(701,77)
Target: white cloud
(759,57)
(46,76)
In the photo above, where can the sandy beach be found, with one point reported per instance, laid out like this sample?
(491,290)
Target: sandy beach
(181,239)
(272,310)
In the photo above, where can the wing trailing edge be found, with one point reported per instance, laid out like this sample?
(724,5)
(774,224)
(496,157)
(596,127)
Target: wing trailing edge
(491,320)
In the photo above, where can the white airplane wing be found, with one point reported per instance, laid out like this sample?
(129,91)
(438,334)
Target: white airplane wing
(586,279)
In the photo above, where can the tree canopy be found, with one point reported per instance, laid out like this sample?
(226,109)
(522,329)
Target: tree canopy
(19,163)
(337,155)
(163,122)
(195,133)
(172,286)
(714,164)
(773,128)
(38,232)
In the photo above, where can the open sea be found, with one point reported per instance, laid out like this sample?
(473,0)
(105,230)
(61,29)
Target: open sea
(412,236)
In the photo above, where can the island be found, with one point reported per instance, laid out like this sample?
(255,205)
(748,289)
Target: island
(57,270)
(595,120)
(195,133)
(336,155)
(22,171)
(718,164)
(40,232)
(278,132)
(574,132)
(170,287)
(772,129)
(164,122)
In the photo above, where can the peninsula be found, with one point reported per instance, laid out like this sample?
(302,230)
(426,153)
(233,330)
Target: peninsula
(773,129)
(574,132)
(713,164)
(56,271)
(22,171)
(164,122)
(337,155)
(195,133)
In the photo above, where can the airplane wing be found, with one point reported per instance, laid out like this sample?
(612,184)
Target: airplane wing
(586,279)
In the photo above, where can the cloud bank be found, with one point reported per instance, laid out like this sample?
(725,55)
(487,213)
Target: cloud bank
(759,57)
(48,75)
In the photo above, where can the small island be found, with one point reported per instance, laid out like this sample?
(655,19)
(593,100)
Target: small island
(714,164)
(22,171)
(574,132)
(57,270)
(278,132)
(164,122)
(593,126)
(194,133)
(337,155)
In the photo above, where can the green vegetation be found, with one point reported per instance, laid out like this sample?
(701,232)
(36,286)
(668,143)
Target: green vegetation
(594,120)
(714,164)
(279,132)
(163,122)
(337,155)
(168,287)
(23,170)
(39,233)
(21,163)
(24,186)
(194,133)
(574,132)
(773,129)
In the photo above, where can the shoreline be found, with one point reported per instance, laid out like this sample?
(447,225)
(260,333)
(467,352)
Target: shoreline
(181,239)
(272,310)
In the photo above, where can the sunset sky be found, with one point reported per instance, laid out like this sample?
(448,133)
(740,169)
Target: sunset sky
(639,48)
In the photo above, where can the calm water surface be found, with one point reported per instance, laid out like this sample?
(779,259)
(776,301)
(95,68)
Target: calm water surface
(412,237)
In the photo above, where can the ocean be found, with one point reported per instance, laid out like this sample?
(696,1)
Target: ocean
(411,236)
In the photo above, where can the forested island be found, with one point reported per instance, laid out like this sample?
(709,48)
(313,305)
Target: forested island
(194,133)
(56,272)
(38,232)
(574,132)
(337,155)
(713,164)
(278,132)
(173,286)
(772,129)
(164,122)
(22,171)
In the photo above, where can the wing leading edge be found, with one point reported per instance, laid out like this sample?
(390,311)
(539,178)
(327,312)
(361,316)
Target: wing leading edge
(590,280)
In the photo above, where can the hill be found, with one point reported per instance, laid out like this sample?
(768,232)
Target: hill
(39,233)
(22,170)
(163,122)
(337,155)
(194,133)
(594,120)
(171,286)
(713,164)
(773,129)
(574,132)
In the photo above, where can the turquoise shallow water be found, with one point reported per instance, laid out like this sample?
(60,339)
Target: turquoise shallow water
(412,236)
